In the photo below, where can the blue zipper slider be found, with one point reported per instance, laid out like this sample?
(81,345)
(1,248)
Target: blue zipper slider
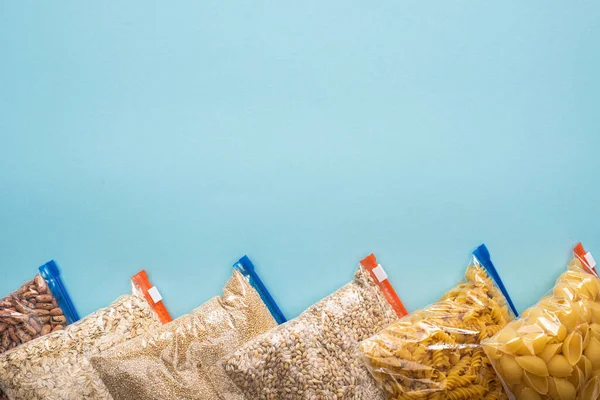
(482,254)
(246,268)
(51,275)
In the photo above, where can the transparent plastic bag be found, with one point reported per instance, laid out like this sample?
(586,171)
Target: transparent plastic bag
(56,366)
(553,350)
(435,353)
(38,307)
(315,356)
(178,361)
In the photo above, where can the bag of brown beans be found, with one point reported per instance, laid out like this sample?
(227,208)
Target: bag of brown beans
(315,356)
(40,306)
(179,360)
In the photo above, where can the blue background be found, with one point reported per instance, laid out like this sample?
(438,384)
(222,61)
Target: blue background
(179,136)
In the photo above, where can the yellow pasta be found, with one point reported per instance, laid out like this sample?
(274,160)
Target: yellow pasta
(435,353)
(553,350)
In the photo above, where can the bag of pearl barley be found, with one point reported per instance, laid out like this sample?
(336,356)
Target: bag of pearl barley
(57,367)
(315,356)
(553,350)
(178,361)
(435,353)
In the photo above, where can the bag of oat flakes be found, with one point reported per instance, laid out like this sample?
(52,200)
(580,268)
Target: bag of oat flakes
(56,366)
(40,306)
(315,356)
(178,360)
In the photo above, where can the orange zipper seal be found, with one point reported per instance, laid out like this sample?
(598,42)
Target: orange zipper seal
(141,281)
(585,258)
(379,276)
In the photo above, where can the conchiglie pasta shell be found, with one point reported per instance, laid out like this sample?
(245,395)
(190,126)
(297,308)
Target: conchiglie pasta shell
(577,378)
(535,341)
(529,394)
(533,365)
(564,291)
(561,389)
(516,346)
(549,351)
(585,365)
(591,391)
(592,352)
(595,331)
(492,351)
(572,347)
(595,310)
(569,317)
(512,371)
(591,286)
(559,367)
(535,382)
(583,329)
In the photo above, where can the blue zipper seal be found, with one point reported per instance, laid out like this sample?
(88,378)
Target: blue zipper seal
(483,255)
(51,275)
(246,268)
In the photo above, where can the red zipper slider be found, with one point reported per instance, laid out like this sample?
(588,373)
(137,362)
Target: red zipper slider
(380,278)
(152,295)
(586,258)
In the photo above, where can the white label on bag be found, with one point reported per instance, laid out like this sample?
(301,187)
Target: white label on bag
(590,260)
(155,294)
(379,273)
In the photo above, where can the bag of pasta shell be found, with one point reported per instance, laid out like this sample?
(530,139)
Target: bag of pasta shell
(314,356)
(553,350)
(435,353)
(178,360)
(38,307)
(56,366)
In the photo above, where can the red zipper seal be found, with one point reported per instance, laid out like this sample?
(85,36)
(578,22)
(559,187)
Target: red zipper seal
(586,259)
(152,295)
(380,278)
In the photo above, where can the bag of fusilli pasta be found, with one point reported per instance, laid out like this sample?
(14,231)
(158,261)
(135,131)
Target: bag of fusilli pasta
(553,350)
(435,353)
(315,356)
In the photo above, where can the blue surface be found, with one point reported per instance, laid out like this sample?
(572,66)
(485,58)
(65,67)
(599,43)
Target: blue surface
(179,136)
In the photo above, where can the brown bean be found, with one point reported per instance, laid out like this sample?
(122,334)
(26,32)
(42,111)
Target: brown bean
(44,306)
(30,329)
(40,284)
(56,311)
(33,321)
(44,319)
(5,340)
(59,320)
(40,312)
(13,334)
(58,328)
(44,298)
(21,308)
(30,293)
(23,336)
(5,303)
(46,329)
(3,327)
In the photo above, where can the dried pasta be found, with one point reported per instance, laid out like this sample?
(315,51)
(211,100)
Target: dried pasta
(553,350)
(435,353)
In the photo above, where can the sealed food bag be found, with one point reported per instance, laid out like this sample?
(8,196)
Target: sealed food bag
(315,356)
(436,353)
(178,360)
(553,350)
(38,307)
(57,367)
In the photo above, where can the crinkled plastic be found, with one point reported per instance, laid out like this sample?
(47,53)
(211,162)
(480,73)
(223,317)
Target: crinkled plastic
(178,361)
(38,307)
(553,350)
(56,366)
(435,353)
(315,356)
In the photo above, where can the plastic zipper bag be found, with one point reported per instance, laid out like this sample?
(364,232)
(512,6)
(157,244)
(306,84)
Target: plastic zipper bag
(435,353)
(38,307)
(553,350)
(56,366)
(178,361)
(315,356)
